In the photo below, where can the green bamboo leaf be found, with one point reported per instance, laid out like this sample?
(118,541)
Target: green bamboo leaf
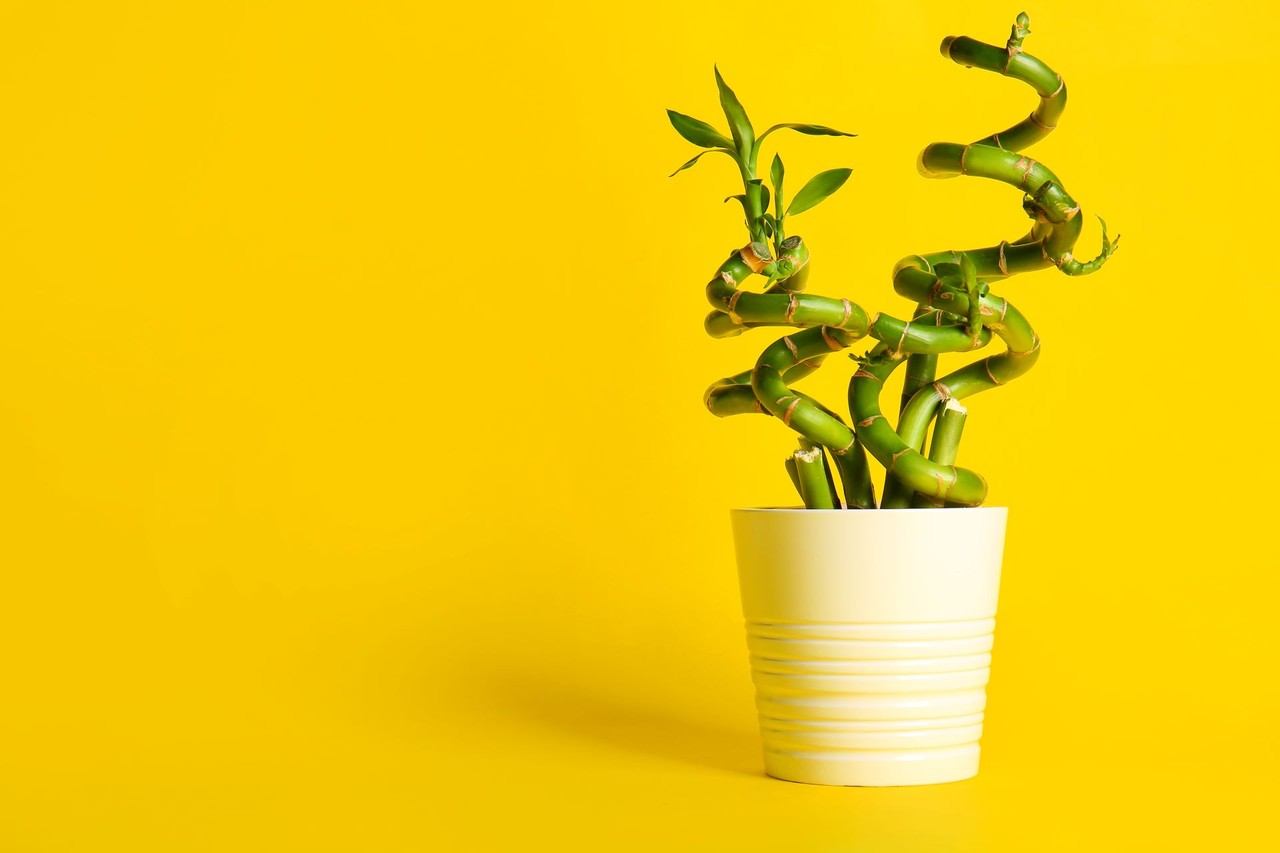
(742,200)
(696,158)
(808,130)
(743,135)
(698,132)
(776,172)
(819,187)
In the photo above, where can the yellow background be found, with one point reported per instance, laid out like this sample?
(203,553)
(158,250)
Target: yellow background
(357,492)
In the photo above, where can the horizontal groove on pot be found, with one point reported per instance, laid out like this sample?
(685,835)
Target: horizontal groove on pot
(874,756)
(864,694)
(791,741)
(951,630)
(869,666)
(834,726)
(871,706)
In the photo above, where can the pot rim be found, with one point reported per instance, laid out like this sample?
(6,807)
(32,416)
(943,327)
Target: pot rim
(929,509)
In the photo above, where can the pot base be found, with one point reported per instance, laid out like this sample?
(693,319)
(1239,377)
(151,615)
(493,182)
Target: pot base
(868,769)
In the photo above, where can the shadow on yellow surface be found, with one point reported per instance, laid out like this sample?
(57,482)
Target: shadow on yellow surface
(572,709)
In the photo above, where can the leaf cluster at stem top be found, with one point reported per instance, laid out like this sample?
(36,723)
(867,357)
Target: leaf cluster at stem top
(743,146)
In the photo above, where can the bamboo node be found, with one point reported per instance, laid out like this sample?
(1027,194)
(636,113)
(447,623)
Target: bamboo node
(954,479)
(986,365)
(790,410)
(942,484)
(1040,124)
(752,257)
(1026,171)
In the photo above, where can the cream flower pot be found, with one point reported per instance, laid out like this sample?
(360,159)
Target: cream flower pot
(870,635)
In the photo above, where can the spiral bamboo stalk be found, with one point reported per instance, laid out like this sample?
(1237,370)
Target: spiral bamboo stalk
(931,280)
(955,310)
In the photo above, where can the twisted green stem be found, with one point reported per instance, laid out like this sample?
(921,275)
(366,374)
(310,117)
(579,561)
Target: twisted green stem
(955,312)
(957,283)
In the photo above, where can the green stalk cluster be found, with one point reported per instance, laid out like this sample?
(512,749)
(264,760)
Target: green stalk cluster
(955,310)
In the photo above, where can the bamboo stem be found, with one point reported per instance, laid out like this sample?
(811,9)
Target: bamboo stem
(946,441)
(922,367)
(805,444)
(955,312)
(855,476)
(947,482)
(812,474)
(946,435)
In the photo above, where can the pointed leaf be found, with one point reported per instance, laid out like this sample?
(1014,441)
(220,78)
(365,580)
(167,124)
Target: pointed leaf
(698,132)
(819,187)
(696,158)
(742,200)
(808,130)
(776,172)
(968,271)
(743,136)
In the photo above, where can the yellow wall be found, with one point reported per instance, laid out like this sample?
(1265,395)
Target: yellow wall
(356,490)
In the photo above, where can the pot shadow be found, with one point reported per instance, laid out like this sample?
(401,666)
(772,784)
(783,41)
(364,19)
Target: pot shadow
(572,709)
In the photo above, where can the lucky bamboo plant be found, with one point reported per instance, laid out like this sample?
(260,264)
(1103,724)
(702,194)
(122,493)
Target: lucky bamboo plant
(956,311)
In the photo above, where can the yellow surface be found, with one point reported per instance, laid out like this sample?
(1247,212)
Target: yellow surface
(357,493)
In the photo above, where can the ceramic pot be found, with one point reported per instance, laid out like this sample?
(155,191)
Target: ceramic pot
(870,635)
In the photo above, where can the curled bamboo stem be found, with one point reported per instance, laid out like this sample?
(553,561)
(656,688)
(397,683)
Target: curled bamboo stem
(955,309)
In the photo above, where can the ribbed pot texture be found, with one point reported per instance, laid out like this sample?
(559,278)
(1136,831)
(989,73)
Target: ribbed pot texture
(870,636)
